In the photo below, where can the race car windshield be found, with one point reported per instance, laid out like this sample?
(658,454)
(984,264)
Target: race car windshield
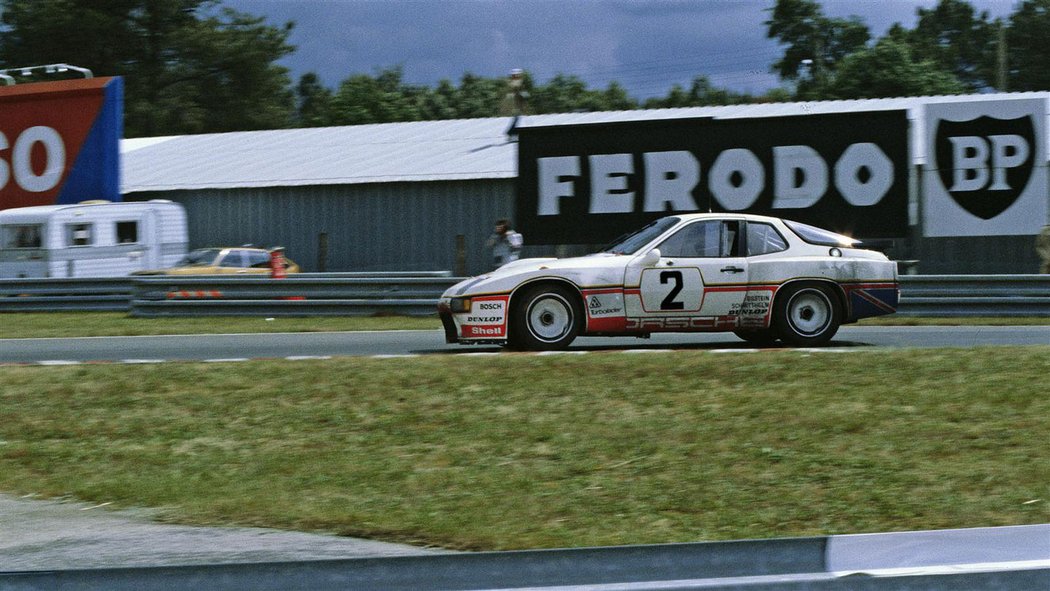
(631,243)
(820,237)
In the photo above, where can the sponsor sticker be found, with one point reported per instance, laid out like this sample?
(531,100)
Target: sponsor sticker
(487,312)
(487,319)
(477,331)
(605,305)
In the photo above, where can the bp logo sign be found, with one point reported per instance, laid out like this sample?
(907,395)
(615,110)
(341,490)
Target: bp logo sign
(986,168)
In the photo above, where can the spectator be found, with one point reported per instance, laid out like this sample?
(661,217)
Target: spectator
(505,244)
(1042,248)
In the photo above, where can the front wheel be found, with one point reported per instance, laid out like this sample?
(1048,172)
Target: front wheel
(806,315)
(545,318)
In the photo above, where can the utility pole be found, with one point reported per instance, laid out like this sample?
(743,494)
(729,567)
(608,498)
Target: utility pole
(1000,53)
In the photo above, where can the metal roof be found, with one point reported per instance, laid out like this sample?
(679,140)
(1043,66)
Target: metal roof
(911,104)
(390,152)
(420,151)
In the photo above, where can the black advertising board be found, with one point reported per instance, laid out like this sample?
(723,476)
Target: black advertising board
(587,184)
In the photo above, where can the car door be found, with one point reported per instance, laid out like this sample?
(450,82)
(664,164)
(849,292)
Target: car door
(700,277)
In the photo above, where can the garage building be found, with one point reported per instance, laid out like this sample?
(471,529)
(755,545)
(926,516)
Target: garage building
(424,195)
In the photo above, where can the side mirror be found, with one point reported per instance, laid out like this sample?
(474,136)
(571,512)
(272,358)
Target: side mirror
(650,258)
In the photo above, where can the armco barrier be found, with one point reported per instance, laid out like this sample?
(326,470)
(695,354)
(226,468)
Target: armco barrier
(975,295)
(317,295)
(65,295)
(414,293)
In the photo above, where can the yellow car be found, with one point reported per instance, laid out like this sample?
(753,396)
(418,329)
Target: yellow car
(239,260)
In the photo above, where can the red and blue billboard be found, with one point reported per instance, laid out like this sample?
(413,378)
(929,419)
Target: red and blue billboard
(60,142)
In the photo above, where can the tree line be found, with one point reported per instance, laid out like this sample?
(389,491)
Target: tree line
(195,66)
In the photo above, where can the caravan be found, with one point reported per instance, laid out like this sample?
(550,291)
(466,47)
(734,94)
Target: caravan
(91,239)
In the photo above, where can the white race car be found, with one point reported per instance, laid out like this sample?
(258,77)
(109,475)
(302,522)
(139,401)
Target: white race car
(763,278)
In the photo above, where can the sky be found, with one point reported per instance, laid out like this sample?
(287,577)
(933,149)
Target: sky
(646,45)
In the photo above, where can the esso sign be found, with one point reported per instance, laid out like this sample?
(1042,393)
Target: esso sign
(17,160)
(60,142)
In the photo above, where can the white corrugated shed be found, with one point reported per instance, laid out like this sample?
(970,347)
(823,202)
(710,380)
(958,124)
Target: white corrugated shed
(462,149)
(381,153)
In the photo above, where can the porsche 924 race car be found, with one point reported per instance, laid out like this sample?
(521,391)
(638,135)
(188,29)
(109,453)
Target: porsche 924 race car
(763,278)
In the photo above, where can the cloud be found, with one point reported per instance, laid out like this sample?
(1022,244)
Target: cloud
(647,46)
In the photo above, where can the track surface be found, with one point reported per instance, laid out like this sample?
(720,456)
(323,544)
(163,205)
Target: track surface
(294,345)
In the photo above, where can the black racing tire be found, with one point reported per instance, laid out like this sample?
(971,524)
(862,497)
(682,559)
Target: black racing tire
(762,337)
(806,315)
(545,317)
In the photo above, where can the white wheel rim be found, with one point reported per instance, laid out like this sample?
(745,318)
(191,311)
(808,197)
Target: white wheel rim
(550,317)
(809,312)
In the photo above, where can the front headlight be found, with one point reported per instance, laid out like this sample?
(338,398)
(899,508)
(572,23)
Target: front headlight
(460,305)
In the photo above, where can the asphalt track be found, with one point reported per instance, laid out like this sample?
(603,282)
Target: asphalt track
(147,349)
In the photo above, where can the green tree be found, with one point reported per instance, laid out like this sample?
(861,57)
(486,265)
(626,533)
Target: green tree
(616,98)
(189,65)
(959,40)
(441,102)
(478,96)
(314,101)
(815,43)
(1028,39)
(382,98)
(889,70)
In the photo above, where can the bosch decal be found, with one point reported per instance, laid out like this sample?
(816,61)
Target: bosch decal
(986,170)
(589,183)
(59,142)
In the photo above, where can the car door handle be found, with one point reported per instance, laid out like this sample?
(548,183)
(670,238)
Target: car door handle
(732,270)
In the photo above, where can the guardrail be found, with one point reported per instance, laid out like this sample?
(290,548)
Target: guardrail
(363,295)
(974,295)
(303,294)
(65,295)
(413,293)
(1008,559)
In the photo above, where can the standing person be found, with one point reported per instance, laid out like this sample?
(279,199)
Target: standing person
(505,243)
(1042,248)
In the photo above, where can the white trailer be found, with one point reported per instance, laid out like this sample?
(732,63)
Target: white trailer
(91,239)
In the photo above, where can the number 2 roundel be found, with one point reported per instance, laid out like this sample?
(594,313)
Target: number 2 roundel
(672,289)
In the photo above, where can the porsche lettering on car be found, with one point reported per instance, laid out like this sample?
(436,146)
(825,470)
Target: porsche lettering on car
(763,278)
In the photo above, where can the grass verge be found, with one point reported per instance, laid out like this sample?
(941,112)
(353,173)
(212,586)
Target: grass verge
(524,451)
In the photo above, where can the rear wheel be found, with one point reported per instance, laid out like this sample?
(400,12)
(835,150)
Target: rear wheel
(544,318)
(806,315)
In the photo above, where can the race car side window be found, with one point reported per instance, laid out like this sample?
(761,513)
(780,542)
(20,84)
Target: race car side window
(763,239)
(697,240)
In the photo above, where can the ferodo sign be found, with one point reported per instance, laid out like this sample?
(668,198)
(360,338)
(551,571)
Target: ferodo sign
(59,142)
(986,169)
(586,184)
